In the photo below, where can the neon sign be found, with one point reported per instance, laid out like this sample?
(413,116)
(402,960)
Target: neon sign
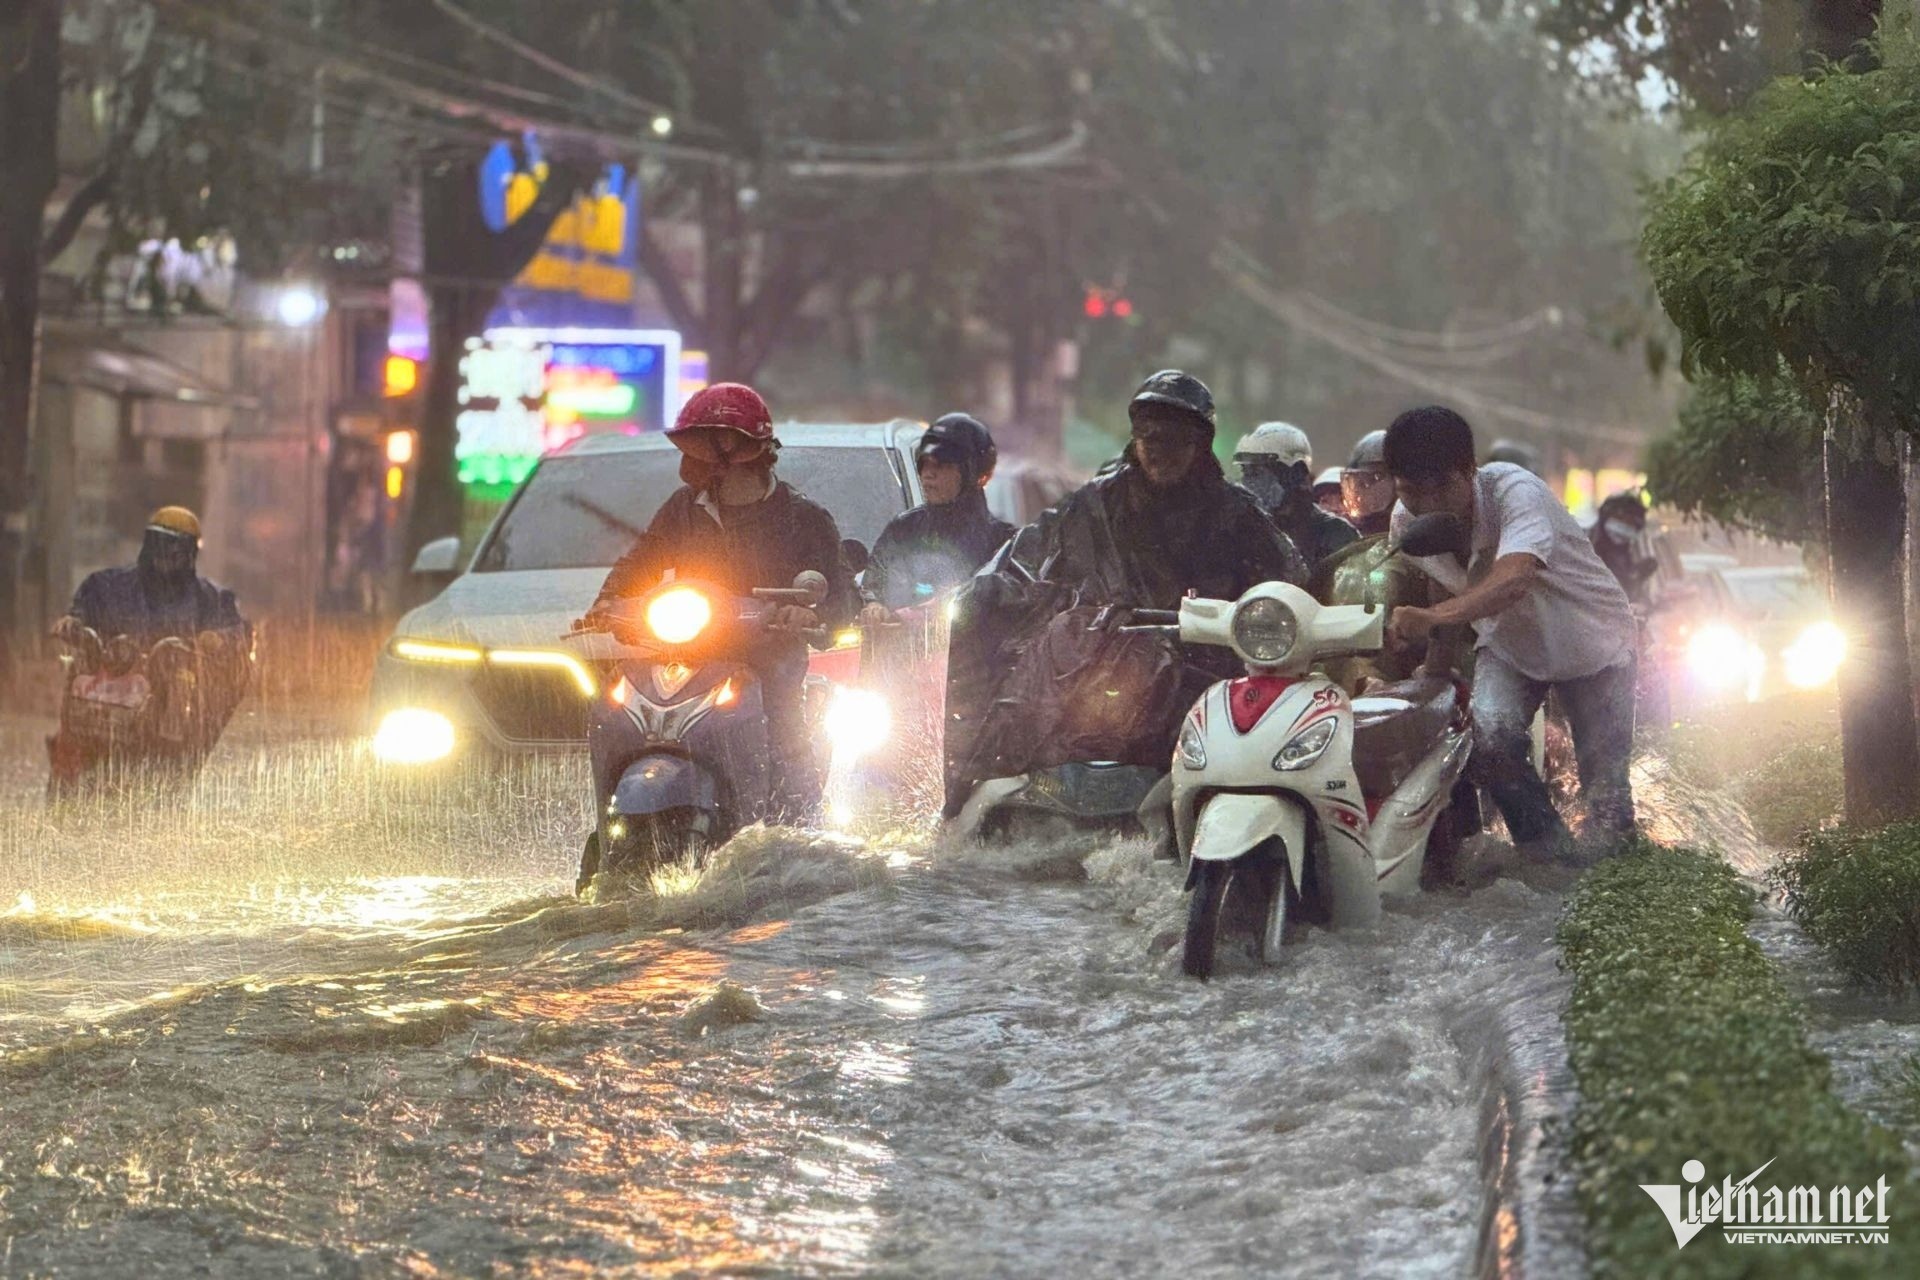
(527,392)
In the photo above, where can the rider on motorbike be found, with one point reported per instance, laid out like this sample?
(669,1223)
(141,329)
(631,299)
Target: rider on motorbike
(1163,522)
(1276,466)
(1616,539)
(736,525)
(940,545)
(162,596)
(1367,487)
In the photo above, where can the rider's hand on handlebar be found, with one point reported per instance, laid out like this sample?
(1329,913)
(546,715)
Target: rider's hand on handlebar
(875,615)
(1410,625)
(68,629)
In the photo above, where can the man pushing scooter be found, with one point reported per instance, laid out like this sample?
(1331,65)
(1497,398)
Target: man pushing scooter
(1548,616)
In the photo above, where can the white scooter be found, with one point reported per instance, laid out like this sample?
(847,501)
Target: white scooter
(1289,798)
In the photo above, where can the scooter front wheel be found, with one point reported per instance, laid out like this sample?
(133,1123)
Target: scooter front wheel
(1250,897)
(1210,881)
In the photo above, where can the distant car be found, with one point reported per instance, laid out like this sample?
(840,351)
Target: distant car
(1757,631)
(482,664)
(1019,491)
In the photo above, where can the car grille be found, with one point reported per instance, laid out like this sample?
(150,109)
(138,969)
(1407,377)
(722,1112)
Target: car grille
(533,704)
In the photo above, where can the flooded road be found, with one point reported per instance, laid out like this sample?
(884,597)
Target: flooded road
(288,1023)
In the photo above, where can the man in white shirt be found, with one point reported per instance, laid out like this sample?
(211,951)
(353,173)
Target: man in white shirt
(1547,614)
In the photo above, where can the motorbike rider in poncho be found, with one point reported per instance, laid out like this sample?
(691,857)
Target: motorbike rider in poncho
(158,598)
(940,545)
(1038,672)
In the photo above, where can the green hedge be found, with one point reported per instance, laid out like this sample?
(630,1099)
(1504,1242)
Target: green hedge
(1858,895)
(1686,1046)
(1800,790)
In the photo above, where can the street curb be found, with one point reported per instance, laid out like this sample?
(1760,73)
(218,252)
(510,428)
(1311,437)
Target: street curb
(1531,1223)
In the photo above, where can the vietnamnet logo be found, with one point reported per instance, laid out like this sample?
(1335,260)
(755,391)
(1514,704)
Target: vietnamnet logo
(1791,1215)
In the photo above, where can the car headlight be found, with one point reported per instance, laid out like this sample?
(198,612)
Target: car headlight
(1193,747)
(679,615)
(411,735)
(1814,658)
(435,651)
(582,678)
(1307,746)
(859,722)
(1719,655)
(1265,629)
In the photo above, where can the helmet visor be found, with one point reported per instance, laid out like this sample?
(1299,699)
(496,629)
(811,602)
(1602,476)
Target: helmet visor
(717,444)
(1366,493)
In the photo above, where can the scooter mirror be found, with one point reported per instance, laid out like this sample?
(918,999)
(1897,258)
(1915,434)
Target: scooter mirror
(814,583)
(1434,535)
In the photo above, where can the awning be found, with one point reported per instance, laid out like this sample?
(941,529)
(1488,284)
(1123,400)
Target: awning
(104,361)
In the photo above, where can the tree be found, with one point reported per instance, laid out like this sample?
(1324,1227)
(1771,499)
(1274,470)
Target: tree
(29,101)
(1714,53)
(1746,454)
(1793,239)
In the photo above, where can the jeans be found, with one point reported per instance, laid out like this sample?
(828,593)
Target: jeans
(1599,710)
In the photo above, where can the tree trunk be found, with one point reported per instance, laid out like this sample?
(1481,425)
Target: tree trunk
(30,108)
(1866,524)
(467,265)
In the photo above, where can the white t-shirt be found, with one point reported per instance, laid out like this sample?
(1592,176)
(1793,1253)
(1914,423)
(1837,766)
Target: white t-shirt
(1575,620)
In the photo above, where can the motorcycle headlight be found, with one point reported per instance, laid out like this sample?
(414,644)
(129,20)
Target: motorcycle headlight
(1193,747)
(1814,658)
(1306,746)
(858,722)
(1264,630)
(679,615)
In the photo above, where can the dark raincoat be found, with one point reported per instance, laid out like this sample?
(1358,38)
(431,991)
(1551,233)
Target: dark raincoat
(1032,683)
(929,549)
(132,601)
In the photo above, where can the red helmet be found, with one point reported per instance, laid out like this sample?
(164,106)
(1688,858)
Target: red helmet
(726,406)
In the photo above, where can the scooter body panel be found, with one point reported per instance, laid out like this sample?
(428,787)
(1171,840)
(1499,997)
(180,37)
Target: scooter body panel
(684,737)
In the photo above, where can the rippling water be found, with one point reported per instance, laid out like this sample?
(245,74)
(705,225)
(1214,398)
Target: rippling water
(287,1022)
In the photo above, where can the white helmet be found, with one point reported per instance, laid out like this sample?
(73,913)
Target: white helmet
(1283,442)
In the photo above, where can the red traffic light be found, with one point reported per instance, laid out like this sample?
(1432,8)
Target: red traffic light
(1096,304)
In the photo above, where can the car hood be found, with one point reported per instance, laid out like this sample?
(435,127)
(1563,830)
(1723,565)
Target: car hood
(506,610)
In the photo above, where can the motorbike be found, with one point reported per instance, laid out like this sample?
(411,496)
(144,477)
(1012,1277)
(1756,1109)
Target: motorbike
(679,745)
(1290,800)
(158,708)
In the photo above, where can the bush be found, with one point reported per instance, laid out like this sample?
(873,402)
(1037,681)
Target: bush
(1686,1047)
(1800,790)
(1857,894)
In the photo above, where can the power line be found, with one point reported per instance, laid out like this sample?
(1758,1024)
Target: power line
(547,62)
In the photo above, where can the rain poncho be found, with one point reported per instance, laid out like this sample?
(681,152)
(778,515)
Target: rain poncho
(1038,672)
(929,549)
(149,607)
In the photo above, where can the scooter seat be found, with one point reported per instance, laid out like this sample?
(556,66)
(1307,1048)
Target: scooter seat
(1394,727)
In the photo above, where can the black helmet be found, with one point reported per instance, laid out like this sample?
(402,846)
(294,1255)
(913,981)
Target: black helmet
(1180,390)
(962,440)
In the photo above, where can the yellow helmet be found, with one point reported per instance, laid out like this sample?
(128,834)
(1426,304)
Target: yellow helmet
(175,520)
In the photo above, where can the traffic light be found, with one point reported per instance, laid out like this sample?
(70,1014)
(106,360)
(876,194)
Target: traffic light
(1105,304)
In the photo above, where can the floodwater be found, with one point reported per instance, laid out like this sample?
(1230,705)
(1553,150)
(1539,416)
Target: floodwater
(290,1022)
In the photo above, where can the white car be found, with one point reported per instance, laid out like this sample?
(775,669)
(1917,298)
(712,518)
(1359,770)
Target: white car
(483,664)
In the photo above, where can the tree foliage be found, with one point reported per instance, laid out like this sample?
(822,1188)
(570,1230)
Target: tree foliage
(1794,235)
(1746,454)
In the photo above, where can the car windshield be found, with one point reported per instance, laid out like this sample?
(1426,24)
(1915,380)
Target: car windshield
(1771,595)
(585,511)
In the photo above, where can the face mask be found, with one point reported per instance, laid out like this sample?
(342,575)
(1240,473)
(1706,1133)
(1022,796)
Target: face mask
(1620,531)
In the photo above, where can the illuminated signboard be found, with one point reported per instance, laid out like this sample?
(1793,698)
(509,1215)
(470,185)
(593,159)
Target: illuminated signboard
(526,392)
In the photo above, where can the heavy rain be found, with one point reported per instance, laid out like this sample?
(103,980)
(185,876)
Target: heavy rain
(936,638)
